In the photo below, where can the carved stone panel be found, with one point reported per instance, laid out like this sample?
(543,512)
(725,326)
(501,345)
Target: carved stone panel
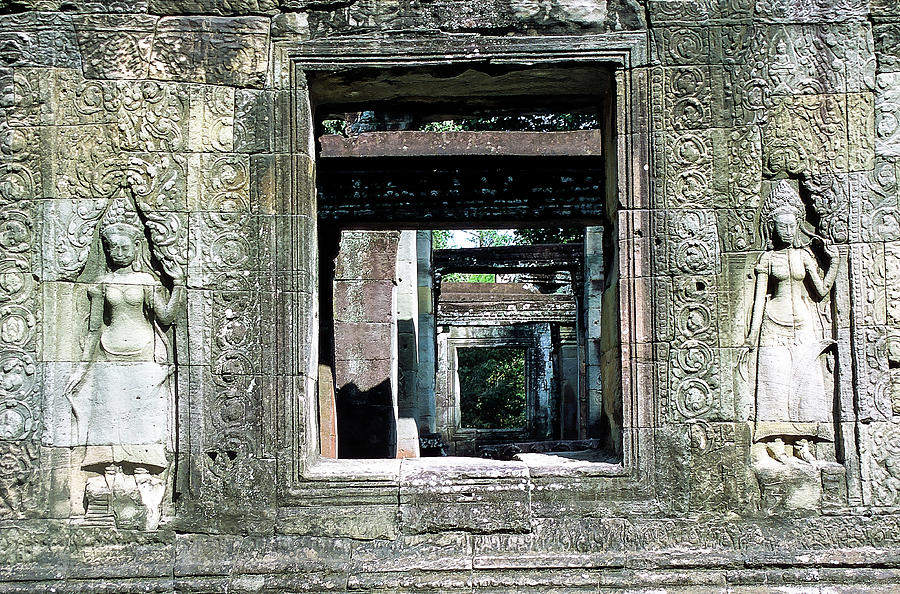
(38,39)
(830,195)
(688,168)
(868,279)
(887,46)
(213,50)
(115,46)
(694,357)
(211,119)
(682,45)
(806,134)
(880,449)
(810,10)
(694,242)
(21,373)
(875,203)
(887,114)
(719,463)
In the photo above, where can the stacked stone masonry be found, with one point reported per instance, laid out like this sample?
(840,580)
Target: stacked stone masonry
(158,248)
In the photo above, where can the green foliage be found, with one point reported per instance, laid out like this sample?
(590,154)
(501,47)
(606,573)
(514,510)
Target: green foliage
(446,126)
(492,387)
(330,126)
(551,235)
(539,122)
(441,239)
(493,237)
(469,277)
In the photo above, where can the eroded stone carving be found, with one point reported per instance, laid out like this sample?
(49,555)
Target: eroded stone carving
(791,400)
(794,408)
(121,394)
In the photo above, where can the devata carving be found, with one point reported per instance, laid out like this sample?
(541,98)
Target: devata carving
(122,392)
(793,406)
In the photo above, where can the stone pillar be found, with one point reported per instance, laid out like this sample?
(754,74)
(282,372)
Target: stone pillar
(425,391)
(540,377)
(407,320)
(406,317)
(365,344)
(568,383)
(593,291)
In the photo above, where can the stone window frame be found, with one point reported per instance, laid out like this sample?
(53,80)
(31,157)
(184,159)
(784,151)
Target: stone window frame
(453,344)
(302,472)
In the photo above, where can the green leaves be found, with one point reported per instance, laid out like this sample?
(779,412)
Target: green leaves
(492,387)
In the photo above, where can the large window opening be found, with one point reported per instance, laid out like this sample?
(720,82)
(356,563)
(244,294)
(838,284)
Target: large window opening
(491,388)
(475,349)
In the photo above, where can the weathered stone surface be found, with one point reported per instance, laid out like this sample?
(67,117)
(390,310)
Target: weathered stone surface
(392,144)
(457,16)
(115,46)
(254,119)
(217,7)
(887,115)
(437,495)
(887,46)
(158,409)
(89,6)
(38,39)
(804,10)
(211,50)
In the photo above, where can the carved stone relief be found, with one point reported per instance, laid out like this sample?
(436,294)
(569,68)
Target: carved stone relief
(887,114)
(738,229)
(746,91)
(791,352)
(811,10)
(212,50)
(694,358)
(687,98)
(687,242)
(25,97)
(719,466)
(801,59)
(38,39)
(870,335)
(861,123)
(109,390)
(887,45)
(875,204)
(806,134)
(212,119)
(892,283)
(169,123)
(694,239)
(744,168)
(121,394)
(115,46)
(22,103)
(689,169)
(682,11)
(880,446)
(683,45)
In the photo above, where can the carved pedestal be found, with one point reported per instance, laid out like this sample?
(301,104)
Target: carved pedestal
(796,487)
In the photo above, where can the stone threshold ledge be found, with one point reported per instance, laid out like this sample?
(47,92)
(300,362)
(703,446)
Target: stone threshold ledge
(368,499)
(395,471)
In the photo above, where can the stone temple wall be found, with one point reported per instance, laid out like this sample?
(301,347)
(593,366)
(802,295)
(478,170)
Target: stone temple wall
(158,282)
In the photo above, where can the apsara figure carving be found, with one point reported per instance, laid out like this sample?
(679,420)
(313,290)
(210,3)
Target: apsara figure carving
(794,409)
(123,391)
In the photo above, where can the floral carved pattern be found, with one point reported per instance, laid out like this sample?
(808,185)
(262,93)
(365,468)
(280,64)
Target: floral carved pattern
(20,413)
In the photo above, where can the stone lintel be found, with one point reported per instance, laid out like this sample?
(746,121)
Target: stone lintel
(433,144)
